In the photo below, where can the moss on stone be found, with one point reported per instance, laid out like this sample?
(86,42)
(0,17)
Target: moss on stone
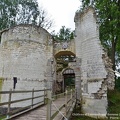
(1,83)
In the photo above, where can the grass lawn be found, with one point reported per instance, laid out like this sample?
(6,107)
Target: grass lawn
(114,101)
(2,118)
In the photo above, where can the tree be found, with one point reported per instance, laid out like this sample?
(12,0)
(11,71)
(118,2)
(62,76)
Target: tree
(14,12)
(7,13)
(109,19)
(64,34)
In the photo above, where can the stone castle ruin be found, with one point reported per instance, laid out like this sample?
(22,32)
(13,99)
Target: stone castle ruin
(31,58)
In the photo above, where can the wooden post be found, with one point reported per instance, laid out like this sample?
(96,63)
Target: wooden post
(76,94)
(66,102)
(49,102)
(71,94)
(76,99)
(32,98)
(9,104)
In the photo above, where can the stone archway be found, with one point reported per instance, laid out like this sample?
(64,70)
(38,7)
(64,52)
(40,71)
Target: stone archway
(66,58)
(68,79)
(78,83)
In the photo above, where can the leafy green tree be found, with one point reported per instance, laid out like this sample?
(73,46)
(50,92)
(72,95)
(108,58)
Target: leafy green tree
(109,19)
(13,12)
(27,11)
(8,12)
(65,34)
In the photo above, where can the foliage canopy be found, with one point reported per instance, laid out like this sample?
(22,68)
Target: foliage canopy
(64,34)
(14,12)
(109,20)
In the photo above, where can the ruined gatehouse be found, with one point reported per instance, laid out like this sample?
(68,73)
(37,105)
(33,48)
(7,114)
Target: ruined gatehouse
(31,59)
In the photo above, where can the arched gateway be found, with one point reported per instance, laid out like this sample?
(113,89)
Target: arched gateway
(69,78)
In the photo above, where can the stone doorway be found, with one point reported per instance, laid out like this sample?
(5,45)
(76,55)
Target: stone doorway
(68,79)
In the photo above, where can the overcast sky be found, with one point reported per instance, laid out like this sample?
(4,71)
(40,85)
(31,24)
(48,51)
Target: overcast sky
(61,11)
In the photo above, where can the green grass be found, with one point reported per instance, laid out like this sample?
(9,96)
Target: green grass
(2,118)
(113,101)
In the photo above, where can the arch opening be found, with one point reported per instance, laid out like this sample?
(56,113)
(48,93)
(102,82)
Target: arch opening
(65,75)
(68,79)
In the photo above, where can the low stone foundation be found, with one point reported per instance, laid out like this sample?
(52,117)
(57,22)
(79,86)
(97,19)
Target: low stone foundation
(94,107)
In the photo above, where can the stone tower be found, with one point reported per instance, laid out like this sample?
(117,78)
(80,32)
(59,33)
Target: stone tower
(94,73)
(24,54)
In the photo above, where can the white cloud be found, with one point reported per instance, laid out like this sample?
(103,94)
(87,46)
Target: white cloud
(62,11)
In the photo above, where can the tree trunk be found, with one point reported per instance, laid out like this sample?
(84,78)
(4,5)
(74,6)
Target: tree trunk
(113,53)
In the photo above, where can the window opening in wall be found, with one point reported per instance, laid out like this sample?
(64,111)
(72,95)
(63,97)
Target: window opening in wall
(14,82)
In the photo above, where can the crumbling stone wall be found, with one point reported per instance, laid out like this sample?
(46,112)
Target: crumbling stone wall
(95,66)
(24,54)
(109,80)
(27,52)
(88,46)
